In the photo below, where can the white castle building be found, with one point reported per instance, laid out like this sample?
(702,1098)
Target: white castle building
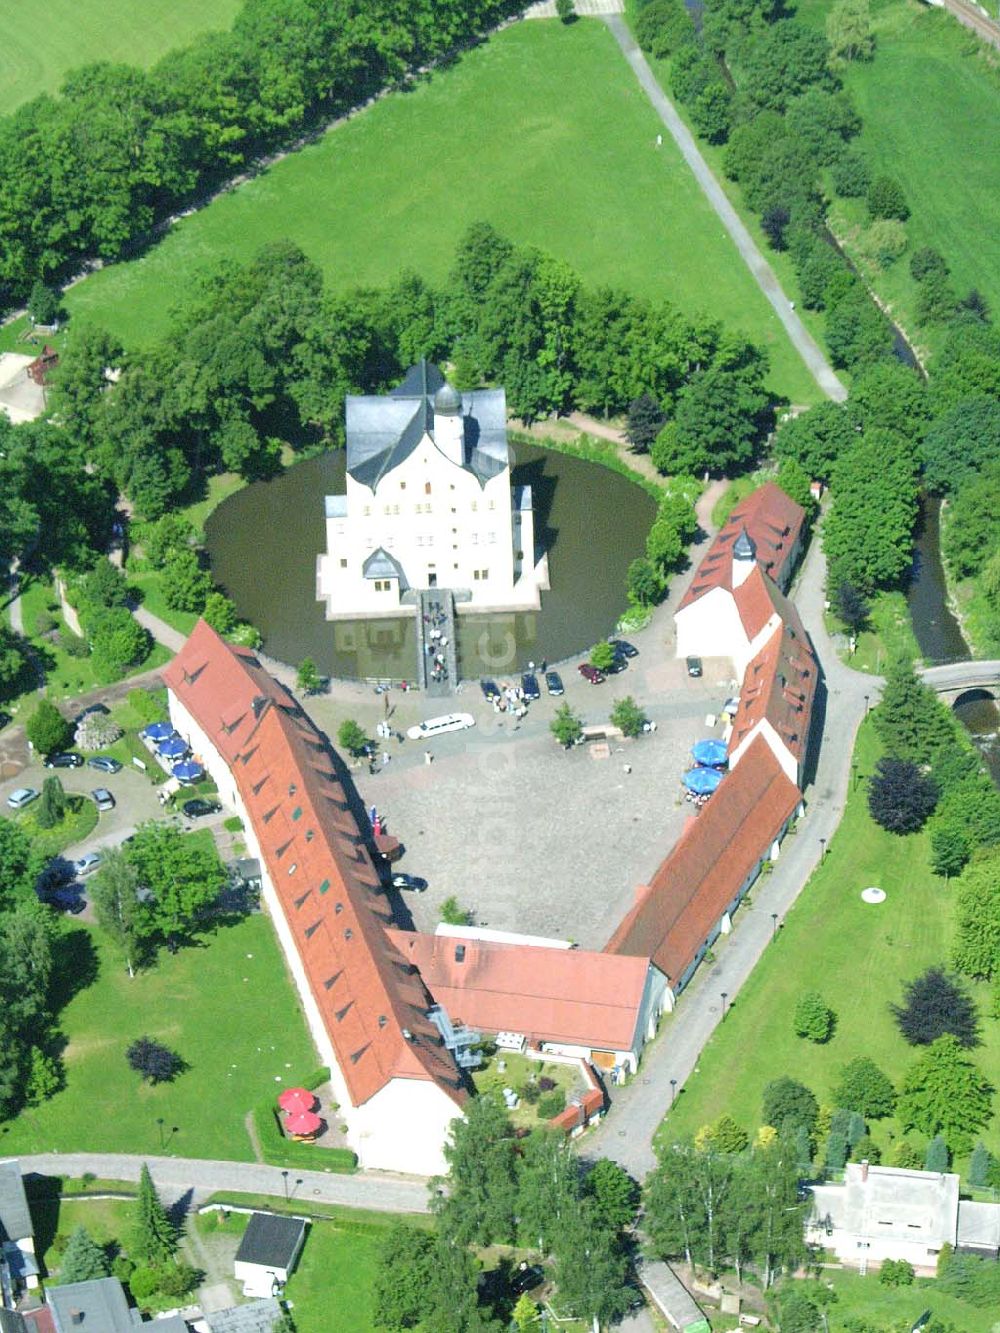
(429,504)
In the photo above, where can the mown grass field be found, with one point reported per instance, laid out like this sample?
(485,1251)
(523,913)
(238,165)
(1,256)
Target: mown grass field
(225,1005)
(900,1307)
(930,103)
(857,956)
(40,43)
(543,131)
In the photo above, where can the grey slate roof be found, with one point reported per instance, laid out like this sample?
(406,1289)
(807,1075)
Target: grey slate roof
(270,1240)
(12,1322)
(382,432)
(254,1317)
(172,1323)
(979,1225)
(15,1218)
(381,565)
(743,547)
(101,1302)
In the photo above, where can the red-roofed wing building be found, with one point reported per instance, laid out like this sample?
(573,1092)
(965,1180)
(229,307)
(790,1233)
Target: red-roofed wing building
(567,1001)
(397,1084)
(729,608)
(691,898)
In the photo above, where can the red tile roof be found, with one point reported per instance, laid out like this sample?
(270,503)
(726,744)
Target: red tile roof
(704,872)
(372,1000)
(773,522)
(560,995)
(779,684)
(754,602)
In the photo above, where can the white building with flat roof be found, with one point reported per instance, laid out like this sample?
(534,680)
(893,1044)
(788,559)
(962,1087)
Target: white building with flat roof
(428,504)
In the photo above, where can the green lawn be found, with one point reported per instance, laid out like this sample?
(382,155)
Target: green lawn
(332,1286)
(856,955)
(40,43)
(930,102)
(543,130)
(56,1219)
(900,1307)
(890,635)
(225,1005)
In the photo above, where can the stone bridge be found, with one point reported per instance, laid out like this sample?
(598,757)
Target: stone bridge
(954,680)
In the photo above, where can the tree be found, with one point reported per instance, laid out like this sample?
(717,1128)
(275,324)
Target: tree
(44,1078)
(614,1194)
(403,1271)
(643,583)
(976,950)
(724,1136)
(351,737)
(182,876)
(118,641)
(910,720)
(602,656)
(974,525)
(944,1093)
(186,585)
(220,613)
(886,199)
(83,1259)
(934,1004)
(154,1061)
(868,532)
(118,906)
(851,608)
(481,1204)
(627,715)
(453,913)
(959,442)
(865,1089)
(721,419)
(525,1313)
(936,1157)
(979,1165)
(43,303)
(896,1273)
(900,797)
(789,1102)
(950,850)
(816,438)
(591,1267)
(13,654)
(154,1238)
(565,11)
(906,1156)
(307,678)
(160,540)
(548,1178)
(47,729)
(566,726)
(646,419)
(52,806)
(814,1019)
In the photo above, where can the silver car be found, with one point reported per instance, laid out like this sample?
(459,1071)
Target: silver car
(17,800)
(87,864)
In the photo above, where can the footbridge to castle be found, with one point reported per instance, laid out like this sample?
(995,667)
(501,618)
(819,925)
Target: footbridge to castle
(953,681)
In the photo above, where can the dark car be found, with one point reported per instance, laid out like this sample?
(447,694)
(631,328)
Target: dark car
(623,649)
(529,687)
(591,673)
(553,683)
(618,665)
(527,1278)
(67,900)
(490,689)
(198,808)
(412,882)
(64,761)
(104,763)
(694,666)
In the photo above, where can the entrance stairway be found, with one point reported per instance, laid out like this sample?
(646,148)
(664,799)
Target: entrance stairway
(436,613)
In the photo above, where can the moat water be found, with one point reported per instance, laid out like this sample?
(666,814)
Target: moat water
(263,543)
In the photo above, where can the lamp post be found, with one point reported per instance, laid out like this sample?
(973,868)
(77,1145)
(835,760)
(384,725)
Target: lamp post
(725,997)
(673,1091)
(866,705)
(774,926)
(159,1121)
(284,1177)
(822,849)
(854,775)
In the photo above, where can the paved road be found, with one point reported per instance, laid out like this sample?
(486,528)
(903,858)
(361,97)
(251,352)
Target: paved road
(807,347)
(962,675)
(627,1134)
(970,16)
(176,1175)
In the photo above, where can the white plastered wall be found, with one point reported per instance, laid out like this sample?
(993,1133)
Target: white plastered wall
(711,627)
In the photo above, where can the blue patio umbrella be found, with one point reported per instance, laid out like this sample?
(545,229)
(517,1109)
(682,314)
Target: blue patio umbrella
(702,781)
(188,771)
(159,731)
(711,752)
(173,748)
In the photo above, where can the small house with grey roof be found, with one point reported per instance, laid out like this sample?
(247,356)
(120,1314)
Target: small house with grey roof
(428,504)
(18,1266)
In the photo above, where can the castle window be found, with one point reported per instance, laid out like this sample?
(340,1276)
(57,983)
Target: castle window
(395,509)
(367,511)
(427,488)
(402,485)
(382,585)
(493,504)
(475,539)
(475,506)
(343,564)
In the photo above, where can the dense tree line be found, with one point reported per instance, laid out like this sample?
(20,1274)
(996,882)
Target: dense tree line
(88,171)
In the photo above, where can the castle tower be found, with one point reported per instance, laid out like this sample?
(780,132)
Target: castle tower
(744,557)
(449,424)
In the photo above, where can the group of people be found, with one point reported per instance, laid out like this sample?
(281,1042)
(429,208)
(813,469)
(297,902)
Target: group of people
(437,641)
(510,700)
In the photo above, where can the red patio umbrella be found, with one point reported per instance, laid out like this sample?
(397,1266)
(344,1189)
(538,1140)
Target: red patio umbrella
(296,1099)
(303,1122)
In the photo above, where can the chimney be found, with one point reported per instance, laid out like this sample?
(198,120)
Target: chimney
(76,1316)
(864,1169)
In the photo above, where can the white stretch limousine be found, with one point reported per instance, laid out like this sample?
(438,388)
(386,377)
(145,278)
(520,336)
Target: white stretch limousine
(435,726)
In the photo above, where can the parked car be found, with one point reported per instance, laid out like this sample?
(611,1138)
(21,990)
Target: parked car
(87,864)
(553,683)
(591,673)
(198,808)
(623,649)
(104,763)
(17,800)
(56,875)
(490,689)
(527,1278)
(435,726)
(694,666)
(412,882)
(68,760)
(529,687)
(103,799)
(619,665)
(68,900)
